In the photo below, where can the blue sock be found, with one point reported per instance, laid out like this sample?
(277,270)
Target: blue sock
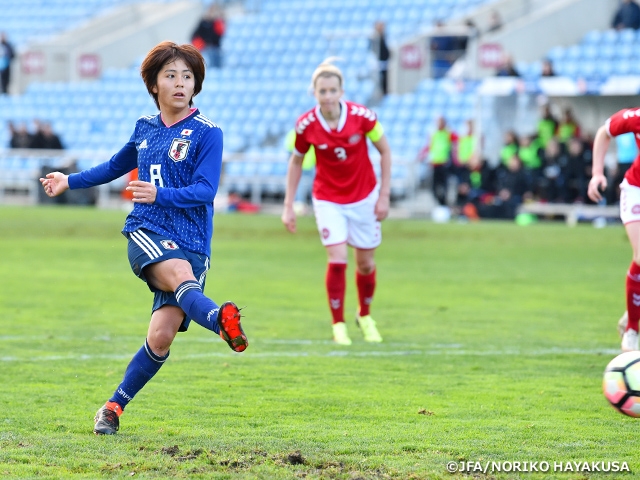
(143,366)
(197,306)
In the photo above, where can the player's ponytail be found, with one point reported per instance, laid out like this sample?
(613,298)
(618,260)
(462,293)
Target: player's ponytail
(327,69)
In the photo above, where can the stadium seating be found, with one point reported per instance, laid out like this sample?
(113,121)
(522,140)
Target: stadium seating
(28,20)
(599,55)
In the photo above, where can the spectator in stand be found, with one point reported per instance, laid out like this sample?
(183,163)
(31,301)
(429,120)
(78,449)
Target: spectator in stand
(507,69)
(20,136)
(509,148)
(477,182)
(379,47)
(577,170)
(512,187)
(568,126)
(627,16)
(495,22)
(45,138)
(551,181)
(441,150)
(547,68)
(207,36)
(547,125)
(6,57)
(530,155)
(467,148)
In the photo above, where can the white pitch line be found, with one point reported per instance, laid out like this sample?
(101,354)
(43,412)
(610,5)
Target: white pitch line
(332,353)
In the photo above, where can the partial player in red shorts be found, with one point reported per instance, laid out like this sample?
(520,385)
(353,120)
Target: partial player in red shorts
(624,121)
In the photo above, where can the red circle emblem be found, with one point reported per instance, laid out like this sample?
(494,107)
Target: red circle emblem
(325,233)
(635,209)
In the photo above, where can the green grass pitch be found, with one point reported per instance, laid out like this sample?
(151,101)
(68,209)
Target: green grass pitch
(496,338)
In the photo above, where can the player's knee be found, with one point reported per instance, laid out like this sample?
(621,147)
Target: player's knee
(366,266)
(160,341)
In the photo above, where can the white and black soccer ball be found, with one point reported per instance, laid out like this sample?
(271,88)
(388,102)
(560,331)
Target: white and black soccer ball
(621,383)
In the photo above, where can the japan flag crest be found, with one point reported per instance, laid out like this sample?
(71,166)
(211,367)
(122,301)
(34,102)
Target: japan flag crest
(178,149)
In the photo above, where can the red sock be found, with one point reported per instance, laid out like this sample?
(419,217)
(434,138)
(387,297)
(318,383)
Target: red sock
(633,295)
(366,286)
(336,286)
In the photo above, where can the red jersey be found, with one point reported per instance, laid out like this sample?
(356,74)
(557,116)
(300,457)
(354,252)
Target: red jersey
(344,173)
(625,121)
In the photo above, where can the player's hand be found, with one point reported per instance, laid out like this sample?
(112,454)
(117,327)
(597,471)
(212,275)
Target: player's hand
(382,207)
(289,218)
(143,192)
(55,183)
(597,185)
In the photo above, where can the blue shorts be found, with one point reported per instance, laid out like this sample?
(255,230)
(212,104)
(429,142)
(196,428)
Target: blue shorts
(146,248)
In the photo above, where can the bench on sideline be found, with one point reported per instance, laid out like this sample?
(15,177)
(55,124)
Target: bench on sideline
(572,212)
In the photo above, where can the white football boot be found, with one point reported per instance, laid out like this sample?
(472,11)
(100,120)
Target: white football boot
(629,341)
(622,323)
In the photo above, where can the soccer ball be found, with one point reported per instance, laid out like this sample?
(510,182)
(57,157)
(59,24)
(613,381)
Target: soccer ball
(621,383)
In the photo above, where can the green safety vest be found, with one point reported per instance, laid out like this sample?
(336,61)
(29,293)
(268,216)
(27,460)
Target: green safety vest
(507,152)
(440,148)
(475,178)
(529,155)
(546,131)
(466,147)
(566,131)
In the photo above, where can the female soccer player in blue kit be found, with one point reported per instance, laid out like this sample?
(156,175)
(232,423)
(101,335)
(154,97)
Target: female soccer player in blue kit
(178,153)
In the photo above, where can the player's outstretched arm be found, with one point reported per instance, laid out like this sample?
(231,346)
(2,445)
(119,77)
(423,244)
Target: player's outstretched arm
(598,182)
(55,183)
(382,205)
(294,172)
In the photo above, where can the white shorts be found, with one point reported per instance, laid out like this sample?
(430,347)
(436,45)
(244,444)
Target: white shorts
(353,223)
(629,203)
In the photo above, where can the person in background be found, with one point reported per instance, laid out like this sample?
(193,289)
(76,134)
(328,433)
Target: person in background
(20,136)
(303,193)
(568,126)
(510,147)
(7,55)
(551,185)
(576,171)
(207,36)
(441,151)
(507,69)
(624,121)
(45,138)
(627,16)
(348,202)
(467,149)
(530,153)
(512,188)
(547,68)
(379,47)
(547,125)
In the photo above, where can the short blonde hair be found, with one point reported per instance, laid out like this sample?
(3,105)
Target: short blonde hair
(325,70)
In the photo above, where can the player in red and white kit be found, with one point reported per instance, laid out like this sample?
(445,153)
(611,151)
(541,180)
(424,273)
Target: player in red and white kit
(624,121)
(348,202)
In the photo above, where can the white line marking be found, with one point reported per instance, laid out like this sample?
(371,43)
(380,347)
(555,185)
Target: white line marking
(332,353)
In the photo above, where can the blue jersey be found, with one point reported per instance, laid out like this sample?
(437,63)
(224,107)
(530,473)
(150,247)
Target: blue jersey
(184,162)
